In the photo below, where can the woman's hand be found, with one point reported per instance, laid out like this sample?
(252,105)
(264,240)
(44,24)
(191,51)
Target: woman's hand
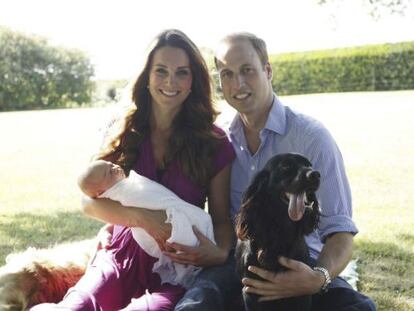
(154,223)
(205,255)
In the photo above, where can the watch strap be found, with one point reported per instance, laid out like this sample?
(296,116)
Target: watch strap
(328,280)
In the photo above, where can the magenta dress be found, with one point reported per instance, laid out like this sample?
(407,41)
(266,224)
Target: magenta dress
(121,278)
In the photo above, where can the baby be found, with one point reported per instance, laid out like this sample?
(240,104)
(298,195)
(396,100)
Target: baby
(99,176)
(103,179)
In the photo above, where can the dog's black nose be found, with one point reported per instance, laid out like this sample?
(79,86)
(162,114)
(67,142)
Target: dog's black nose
(313,175)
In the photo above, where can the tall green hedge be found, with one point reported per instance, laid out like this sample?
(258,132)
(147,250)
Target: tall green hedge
(34,74)
(368,68)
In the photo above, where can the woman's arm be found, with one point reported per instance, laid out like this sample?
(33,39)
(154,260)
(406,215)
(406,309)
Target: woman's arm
(114,212)
(219,209)
(208,253)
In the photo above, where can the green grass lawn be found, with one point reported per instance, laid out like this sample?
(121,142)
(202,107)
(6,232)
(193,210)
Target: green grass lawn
(43,151)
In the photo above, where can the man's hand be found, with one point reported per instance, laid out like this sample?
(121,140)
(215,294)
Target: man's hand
(205,255)
(299,280)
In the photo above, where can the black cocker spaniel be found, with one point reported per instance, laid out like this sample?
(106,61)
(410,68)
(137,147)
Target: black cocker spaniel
(278,209)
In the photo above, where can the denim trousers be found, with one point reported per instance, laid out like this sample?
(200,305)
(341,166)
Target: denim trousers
(219,289)
(214,288)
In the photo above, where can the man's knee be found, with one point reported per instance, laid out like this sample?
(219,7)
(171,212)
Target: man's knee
(212,288)
(360,303)
(342,299)
(370,305)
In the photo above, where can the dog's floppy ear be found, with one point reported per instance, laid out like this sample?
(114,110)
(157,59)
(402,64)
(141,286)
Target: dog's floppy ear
(254,198)
(311,217)
(258,187)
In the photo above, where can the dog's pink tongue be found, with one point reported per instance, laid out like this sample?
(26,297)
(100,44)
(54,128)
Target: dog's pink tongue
(296,207)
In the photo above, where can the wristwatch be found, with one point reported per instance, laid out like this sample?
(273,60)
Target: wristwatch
(328,280)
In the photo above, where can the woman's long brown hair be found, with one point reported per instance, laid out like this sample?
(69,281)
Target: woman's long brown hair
(193,142)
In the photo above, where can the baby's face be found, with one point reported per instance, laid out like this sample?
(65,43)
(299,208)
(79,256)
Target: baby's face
(108,174)
(99,177)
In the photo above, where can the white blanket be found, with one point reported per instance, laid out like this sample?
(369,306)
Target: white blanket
(139,191)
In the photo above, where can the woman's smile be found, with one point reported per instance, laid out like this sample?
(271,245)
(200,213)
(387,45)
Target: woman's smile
(169,93)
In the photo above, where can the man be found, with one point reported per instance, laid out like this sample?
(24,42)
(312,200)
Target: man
(264,127)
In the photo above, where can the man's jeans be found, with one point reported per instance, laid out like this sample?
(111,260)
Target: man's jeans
(216,287)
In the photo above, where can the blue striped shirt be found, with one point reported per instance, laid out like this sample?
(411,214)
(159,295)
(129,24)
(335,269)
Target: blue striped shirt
(289,131)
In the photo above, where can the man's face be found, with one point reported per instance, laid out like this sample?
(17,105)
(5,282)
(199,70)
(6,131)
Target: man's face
(244,79)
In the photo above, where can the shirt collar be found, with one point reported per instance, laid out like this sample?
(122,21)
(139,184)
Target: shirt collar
(276,120)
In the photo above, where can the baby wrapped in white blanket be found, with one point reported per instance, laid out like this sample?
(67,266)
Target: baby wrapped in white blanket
(108,181)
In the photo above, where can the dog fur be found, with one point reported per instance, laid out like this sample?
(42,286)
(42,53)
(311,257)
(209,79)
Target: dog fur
(268,226)
(42,275)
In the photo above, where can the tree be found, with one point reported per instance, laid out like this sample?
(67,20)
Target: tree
(377,8)
(34,74)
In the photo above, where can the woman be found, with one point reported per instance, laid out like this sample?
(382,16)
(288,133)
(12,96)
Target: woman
(169,137)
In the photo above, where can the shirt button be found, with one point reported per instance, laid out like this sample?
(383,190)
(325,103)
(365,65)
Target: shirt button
(252,167)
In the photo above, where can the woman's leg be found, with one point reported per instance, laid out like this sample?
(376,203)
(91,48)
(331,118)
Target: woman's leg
(113,278)
(98,289)
(162,299)
(156,296)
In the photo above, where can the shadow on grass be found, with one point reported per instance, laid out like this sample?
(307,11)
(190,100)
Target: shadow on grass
(26,229)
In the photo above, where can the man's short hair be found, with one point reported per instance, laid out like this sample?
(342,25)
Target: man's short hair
(258,44)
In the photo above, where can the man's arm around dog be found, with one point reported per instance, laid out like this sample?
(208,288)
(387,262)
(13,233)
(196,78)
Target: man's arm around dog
(301,279)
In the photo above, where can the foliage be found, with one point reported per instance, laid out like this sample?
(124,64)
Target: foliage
(34,74)
(208,55)
(369,68)
(379,8)
(109,91)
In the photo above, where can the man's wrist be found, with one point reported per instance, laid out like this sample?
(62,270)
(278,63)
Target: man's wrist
(326,278)
(222,256)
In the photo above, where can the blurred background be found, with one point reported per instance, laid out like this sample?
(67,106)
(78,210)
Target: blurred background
(93,47)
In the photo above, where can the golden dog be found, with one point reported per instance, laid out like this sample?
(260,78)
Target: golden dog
(42,275)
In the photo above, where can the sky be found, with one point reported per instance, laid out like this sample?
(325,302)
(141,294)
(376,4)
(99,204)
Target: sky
(115,34)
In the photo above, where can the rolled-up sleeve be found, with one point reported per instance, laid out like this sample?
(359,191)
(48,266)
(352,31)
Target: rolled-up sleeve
(334,193)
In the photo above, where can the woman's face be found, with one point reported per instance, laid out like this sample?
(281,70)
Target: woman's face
(170,78)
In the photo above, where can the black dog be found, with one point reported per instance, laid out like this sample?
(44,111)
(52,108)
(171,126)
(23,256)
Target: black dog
(278,209)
